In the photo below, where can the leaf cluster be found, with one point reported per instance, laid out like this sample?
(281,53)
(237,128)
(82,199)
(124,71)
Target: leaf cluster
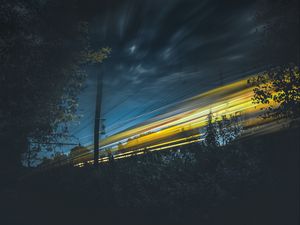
(223,130)
(44,50)
(279,90)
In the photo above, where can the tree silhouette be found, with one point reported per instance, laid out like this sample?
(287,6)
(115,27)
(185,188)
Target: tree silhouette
(279,89)
(229,128)
(278,23)
(43,52)
(223,130)
(211,132)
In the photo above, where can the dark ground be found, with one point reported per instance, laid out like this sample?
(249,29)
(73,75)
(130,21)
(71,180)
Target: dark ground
(252,182)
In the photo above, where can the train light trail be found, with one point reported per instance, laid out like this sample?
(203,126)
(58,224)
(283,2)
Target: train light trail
(182,124)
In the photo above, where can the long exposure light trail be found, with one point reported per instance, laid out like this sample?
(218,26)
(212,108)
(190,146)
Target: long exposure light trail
(186,119)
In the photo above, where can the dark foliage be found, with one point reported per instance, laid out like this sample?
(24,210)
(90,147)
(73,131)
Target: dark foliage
(43,45)
(278,21)
(279,90)
(222,130)
(249,182)
(279,47)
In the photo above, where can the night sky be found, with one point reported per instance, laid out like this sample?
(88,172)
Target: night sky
(164,52)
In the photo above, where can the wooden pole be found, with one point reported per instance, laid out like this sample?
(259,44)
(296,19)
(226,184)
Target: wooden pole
(97,117)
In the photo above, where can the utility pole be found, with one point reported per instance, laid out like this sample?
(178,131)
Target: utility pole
(97,117)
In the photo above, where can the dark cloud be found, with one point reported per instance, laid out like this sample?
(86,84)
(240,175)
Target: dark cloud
(165,51)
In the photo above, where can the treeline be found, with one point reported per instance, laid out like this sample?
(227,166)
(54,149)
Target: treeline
(253,181)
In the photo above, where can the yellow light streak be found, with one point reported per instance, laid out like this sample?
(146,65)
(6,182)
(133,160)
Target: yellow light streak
(163,131)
